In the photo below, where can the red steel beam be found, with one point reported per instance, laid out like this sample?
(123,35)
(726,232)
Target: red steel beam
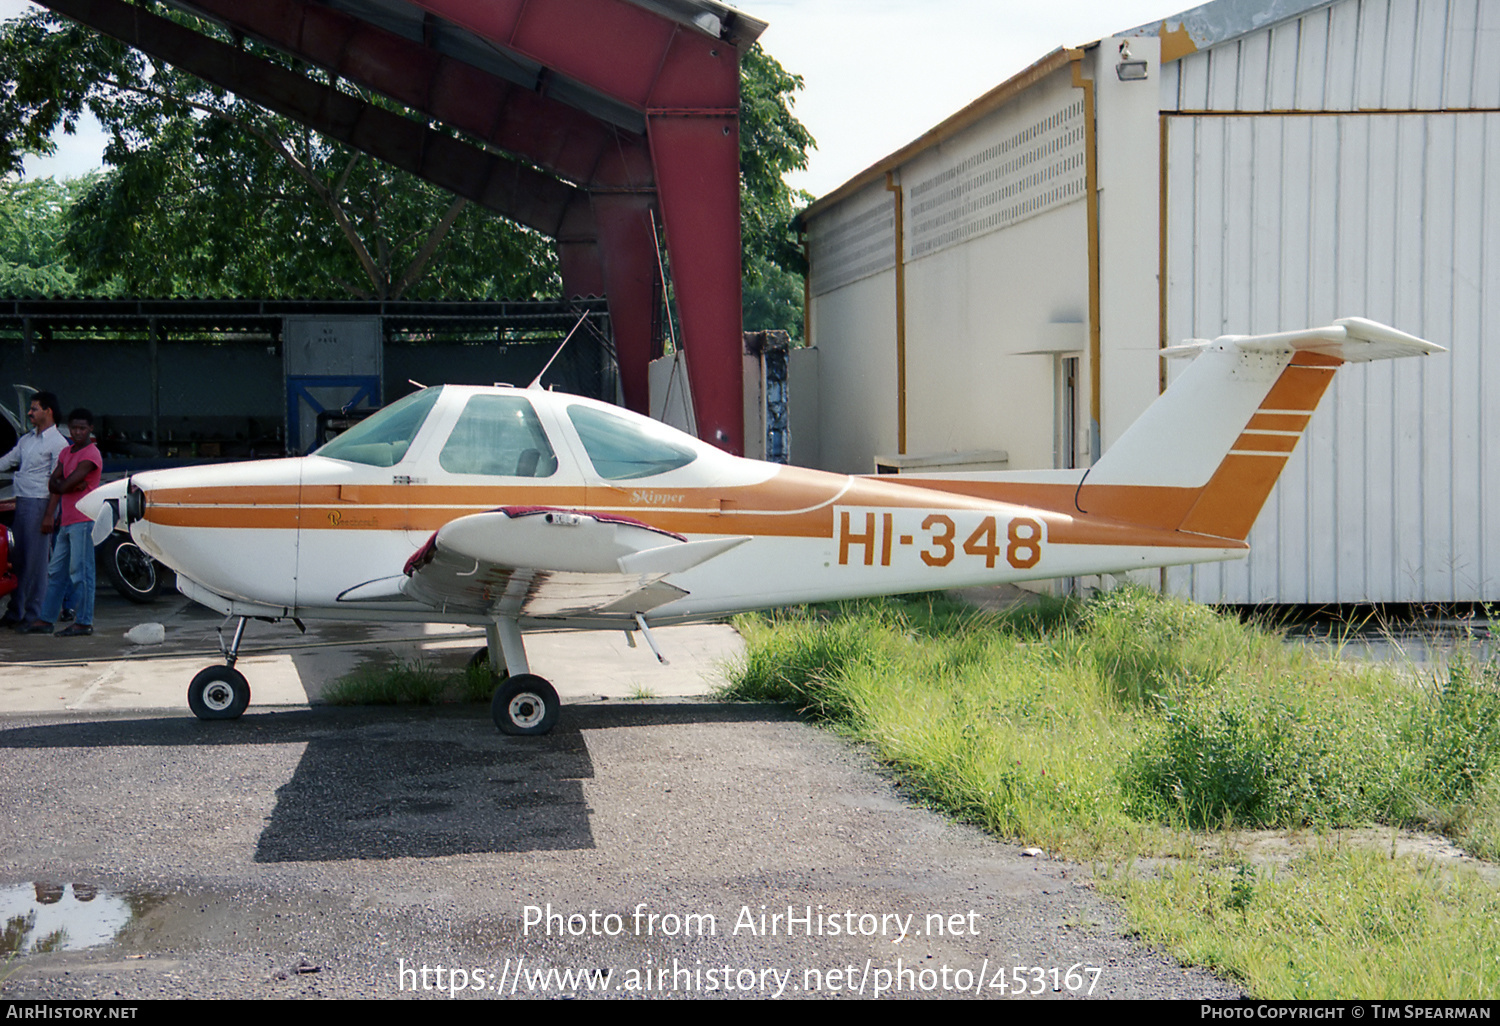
(507,187)
(697,166)
(565,141)
(685,82)
(627,250)
(613,46)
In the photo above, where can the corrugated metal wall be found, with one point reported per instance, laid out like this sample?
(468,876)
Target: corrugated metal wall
(1278,220)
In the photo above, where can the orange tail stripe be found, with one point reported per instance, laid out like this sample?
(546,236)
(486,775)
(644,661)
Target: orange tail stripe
(1251,441)
(1298,388)
(1305,358)
(1278,422)
(1234,495)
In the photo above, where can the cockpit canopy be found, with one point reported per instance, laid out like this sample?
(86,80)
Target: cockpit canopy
(500,434)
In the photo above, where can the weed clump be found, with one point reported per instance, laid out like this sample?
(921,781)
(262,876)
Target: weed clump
(1260,760)
(410,684)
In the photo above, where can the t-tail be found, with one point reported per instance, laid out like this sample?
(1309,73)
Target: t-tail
(1204,457)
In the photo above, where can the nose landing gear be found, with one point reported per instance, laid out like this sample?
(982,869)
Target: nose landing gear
(221,692)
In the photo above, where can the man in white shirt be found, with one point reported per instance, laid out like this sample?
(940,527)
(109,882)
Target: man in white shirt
(33,459)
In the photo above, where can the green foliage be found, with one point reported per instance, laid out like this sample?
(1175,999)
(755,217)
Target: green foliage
(1331,924)
(773,298)
(1458,730)
(33,217)
(210,195)
(1104,730)
(1172,716)
(1255,759)
(1144,646)
(772,144)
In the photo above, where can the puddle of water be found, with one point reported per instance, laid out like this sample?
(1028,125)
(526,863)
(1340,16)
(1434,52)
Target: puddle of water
(50,916)
(1423,645)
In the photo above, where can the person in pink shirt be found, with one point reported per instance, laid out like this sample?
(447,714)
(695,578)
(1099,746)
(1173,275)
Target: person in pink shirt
(71,572)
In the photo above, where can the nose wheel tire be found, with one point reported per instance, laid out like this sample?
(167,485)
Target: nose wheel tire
(525,705)
(219,693)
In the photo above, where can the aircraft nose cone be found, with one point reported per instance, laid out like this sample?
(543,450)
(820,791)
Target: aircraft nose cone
(93,502)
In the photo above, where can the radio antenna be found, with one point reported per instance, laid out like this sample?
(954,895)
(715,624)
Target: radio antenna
(536,382)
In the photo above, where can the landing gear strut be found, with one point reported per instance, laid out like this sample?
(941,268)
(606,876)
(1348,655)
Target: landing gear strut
(524,703)
(221,692)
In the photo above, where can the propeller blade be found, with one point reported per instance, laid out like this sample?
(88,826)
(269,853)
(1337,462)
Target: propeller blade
(105,523)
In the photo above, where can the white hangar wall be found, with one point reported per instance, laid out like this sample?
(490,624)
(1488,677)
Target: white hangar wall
(852,321)
(1344,162)
(993,246)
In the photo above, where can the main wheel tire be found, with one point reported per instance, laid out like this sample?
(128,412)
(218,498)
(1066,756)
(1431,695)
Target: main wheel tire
(133,573)
(219,693)
(525,705)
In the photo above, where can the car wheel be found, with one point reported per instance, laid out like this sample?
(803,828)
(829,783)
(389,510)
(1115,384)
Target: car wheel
(133,573)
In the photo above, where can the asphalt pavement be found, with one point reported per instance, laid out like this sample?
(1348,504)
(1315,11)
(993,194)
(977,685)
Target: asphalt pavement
(672,846)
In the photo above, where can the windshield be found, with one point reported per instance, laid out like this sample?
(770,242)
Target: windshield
(382,440)
(623,448)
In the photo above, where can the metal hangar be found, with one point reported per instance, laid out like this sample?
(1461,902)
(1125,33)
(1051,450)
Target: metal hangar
(1001,287)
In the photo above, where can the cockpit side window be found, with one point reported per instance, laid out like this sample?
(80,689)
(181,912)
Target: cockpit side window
(498,435)
(382,439)
(622,448)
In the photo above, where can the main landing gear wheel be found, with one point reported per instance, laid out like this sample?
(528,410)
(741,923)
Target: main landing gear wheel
(219,693)
(525,704)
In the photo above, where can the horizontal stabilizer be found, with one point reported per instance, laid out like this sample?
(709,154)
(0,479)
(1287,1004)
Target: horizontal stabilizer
(1351,339)
(1204,457)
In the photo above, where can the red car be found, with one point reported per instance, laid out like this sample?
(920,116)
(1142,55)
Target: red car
(7,575)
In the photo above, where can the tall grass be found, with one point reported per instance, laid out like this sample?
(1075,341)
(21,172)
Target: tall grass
(1114,728)
(1334,923)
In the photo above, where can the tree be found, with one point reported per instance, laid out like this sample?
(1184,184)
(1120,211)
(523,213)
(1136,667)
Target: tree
(32,222)
(772,144)
(208,194)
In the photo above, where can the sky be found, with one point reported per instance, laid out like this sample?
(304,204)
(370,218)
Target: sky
(877,73)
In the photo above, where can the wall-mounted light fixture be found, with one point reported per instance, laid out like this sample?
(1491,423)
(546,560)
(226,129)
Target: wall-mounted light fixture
(1129,69)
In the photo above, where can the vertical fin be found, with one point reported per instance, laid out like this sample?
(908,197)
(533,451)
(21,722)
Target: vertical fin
(1229,503)
(1204,457)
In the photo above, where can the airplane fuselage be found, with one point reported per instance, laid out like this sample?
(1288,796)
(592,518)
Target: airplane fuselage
(296,535)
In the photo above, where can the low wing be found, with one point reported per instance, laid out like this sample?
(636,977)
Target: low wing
(539,562)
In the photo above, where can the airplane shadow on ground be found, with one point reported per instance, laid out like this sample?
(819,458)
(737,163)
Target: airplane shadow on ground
(386,783)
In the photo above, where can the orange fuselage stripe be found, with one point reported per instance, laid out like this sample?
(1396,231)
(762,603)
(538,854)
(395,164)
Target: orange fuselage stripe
(796,503)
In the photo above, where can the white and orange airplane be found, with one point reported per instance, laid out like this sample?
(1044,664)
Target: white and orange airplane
(524,508)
